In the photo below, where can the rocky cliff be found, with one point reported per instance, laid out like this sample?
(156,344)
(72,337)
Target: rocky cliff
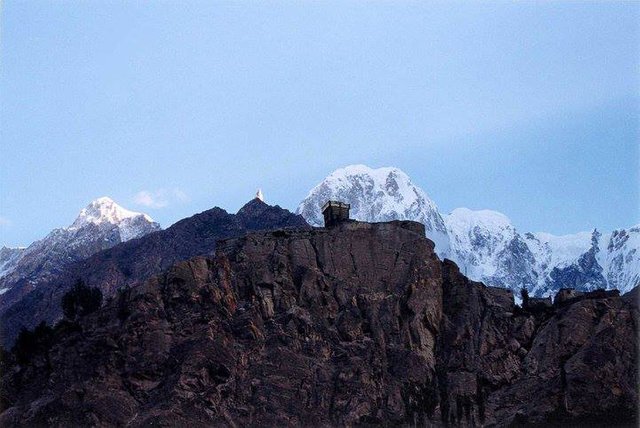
(360,324)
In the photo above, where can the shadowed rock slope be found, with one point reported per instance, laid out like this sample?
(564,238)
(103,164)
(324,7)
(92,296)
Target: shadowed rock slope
(356,325)
(135,261)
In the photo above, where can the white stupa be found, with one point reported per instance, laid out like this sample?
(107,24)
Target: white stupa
(259,195)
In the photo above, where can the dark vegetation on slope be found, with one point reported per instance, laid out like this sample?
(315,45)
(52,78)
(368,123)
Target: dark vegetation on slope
(78,302)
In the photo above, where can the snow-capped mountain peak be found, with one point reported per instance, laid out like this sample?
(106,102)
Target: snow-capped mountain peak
(100,225)
(463,219)
(105,210)
(380,194)
(559,250)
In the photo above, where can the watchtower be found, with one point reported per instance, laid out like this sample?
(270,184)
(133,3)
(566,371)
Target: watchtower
(335,212)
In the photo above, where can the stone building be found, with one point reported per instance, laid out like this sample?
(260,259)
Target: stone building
(335,212)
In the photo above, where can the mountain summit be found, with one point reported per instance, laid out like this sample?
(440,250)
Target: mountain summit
(377,195)
(357,325)
(103,210)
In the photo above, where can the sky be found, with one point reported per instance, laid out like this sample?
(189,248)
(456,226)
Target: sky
(170,108)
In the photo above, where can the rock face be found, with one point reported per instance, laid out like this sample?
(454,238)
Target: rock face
(134,261)
(359,324)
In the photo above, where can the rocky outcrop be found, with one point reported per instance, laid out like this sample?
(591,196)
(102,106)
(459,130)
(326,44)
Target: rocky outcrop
(135,261)
(359,324)
(502,365)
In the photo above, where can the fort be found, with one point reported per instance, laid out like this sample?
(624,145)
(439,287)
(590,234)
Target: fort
(335,212)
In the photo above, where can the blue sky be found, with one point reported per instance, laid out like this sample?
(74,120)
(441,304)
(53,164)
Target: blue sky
(530,109)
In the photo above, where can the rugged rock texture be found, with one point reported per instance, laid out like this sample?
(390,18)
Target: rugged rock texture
(502,365)
(135,261)
(355,325)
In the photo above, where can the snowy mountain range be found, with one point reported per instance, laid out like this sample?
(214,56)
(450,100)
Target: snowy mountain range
(100,225)
(485,244)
